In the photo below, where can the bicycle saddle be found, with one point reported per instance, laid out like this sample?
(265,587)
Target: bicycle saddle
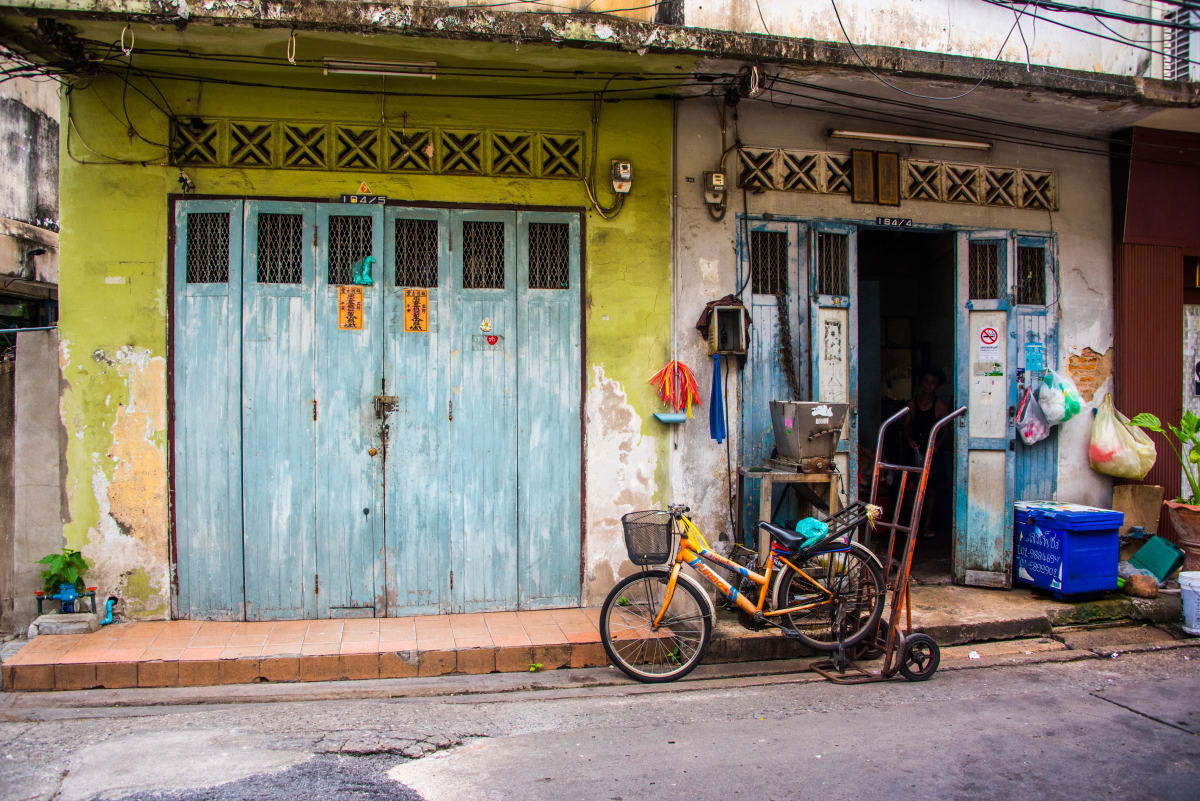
(788,539)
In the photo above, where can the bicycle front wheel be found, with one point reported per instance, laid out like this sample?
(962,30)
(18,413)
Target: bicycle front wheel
(640,649)
(837,596)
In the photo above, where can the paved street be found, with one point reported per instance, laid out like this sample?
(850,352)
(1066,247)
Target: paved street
(1121,728)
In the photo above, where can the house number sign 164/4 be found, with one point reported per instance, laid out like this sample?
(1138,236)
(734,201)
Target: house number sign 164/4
(894,222)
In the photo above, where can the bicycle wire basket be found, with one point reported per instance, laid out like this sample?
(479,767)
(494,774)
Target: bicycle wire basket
(649,537)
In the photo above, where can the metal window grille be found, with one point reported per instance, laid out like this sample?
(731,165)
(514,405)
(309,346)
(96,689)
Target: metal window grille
(984,268)
(280,248)
(483,255)
(768,262)
(208,248)
(350,241)
(1031,276)
(1177,66)
(833,264)
(416,252)
(549,256)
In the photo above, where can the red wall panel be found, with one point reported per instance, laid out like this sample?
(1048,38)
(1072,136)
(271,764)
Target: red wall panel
(1148,350)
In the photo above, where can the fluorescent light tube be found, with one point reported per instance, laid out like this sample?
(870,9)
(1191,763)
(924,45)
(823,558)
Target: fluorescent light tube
(355,66)
(910,140)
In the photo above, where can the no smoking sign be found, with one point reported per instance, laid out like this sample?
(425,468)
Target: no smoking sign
(989,344)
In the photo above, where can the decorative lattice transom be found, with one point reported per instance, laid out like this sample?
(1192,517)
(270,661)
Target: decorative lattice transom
(1031,276)
(416,252)
(304,146)
(549,256)
(251,145)
(483,255)
(800,172)
(280,249)
(357,147)
(984,268)
(462,152)
(1000,187)
(410,151)
(208,248)
(837,167)
(1037,190)
(196,142)
(562,156)
(768,262)
(962,184)
(512,154)
(350,241)
(757,168)
(833,264)
(922,180)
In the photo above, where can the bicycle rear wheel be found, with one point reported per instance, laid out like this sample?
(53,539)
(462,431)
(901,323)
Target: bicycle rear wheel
(843,594)
(639,649)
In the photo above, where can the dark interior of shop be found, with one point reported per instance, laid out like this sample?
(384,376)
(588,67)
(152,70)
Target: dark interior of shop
(906,332)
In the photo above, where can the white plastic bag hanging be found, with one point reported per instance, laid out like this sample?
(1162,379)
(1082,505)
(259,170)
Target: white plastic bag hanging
(1058,397)
(1031,423)
(1119,449)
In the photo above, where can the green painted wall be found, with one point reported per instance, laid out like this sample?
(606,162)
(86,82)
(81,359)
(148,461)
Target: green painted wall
(113,290)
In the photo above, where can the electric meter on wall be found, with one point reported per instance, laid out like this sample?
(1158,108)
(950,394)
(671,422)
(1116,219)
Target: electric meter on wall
(622,176)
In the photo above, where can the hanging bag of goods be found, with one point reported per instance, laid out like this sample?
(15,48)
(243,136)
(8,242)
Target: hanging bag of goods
(1058,397)
(1119,449)
(1031,423)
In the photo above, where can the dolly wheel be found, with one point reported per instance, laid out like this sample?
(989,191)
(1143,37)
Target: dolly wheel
(920,657)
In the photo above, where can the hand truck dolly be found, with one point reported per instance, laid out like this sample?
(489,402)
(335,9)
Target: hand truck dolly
(914,655)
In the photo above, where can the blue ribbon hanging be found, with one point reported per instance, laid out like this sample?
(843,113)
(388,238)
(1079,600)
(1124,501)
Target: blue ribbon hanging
(716,403)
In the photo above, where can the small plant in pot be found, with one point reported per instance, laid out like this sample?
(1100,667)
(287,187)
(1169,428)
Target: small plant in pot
(1184,511)
(63,576)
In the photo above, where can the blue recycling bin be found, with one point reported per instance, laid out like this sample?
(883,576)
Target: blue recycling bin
(1065,548)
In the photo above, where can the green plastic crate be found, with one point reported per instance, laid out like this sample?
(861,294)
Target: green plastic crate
(1161,557)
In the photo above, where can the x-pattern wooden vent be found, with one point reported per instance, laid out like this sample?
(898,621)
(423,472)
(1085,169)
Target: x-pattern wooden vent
(250,145)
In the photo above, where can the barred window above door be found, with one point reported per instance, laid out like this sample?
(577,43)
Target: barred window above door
(549,256)
(833,264)
(1031,276)
(984,269)
(350,241)
(416,252)
(483,255)
(280,249)
(208,248)
(768,262)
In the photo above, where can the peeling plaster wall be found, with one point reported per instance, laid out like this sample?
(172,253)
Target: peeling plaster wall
(114,297)
(706,271)
(958,27)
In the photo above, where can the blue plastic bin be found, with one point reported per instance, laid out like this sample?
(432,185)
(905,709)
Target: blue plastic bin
(1065,548)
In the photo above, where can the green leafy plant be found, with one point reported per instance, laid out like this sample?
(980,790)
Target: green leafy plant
(534,667)
(66,567)
(1187,435)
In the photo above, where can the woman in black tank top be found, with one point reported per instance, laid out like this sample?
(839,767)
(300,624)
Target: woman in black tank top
(926,408)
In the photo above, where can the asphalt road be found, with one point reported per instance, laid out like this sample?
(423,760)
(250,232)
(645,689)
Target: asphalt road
(1125,728)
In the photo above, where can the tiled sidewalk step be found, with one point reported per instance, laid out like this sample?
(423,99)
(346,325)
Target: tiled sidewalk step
(192,653)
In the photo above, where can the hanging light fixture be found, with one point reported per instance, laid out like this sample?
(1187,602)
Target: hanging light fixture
(356,66)
(903,139)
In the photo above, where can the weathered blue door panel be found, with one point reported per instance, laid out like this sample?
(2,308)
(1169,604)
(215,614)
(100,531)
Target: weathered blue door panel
(349,474)
(278,436)
(984,450)
(833,333)
(764,379)
(549,426)
(1037,332)
(417,373)
(483,400)
(207,454)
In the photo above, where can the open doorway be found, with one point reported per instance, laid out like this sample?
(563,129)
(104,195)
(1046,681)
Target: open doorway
(906,325)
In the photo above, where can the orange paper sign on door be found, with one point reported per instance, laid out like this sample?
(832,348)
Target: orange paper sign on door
(350,308)
(416,310)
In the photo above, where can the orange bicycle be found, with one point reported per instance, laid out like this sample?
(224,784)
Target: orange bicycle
(656,624)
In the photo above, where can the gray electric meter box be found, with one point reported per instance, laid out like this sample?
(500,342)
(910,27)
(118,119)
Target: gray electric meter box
(727,331)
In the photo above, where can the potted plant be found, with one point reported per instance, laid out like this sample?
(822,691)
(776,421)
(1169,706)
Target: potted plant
(63,576)
(1184,511)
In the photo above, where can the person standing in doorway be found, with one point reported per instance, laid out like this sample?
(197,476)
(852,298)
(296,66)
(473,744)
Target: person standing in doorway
(925,409)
